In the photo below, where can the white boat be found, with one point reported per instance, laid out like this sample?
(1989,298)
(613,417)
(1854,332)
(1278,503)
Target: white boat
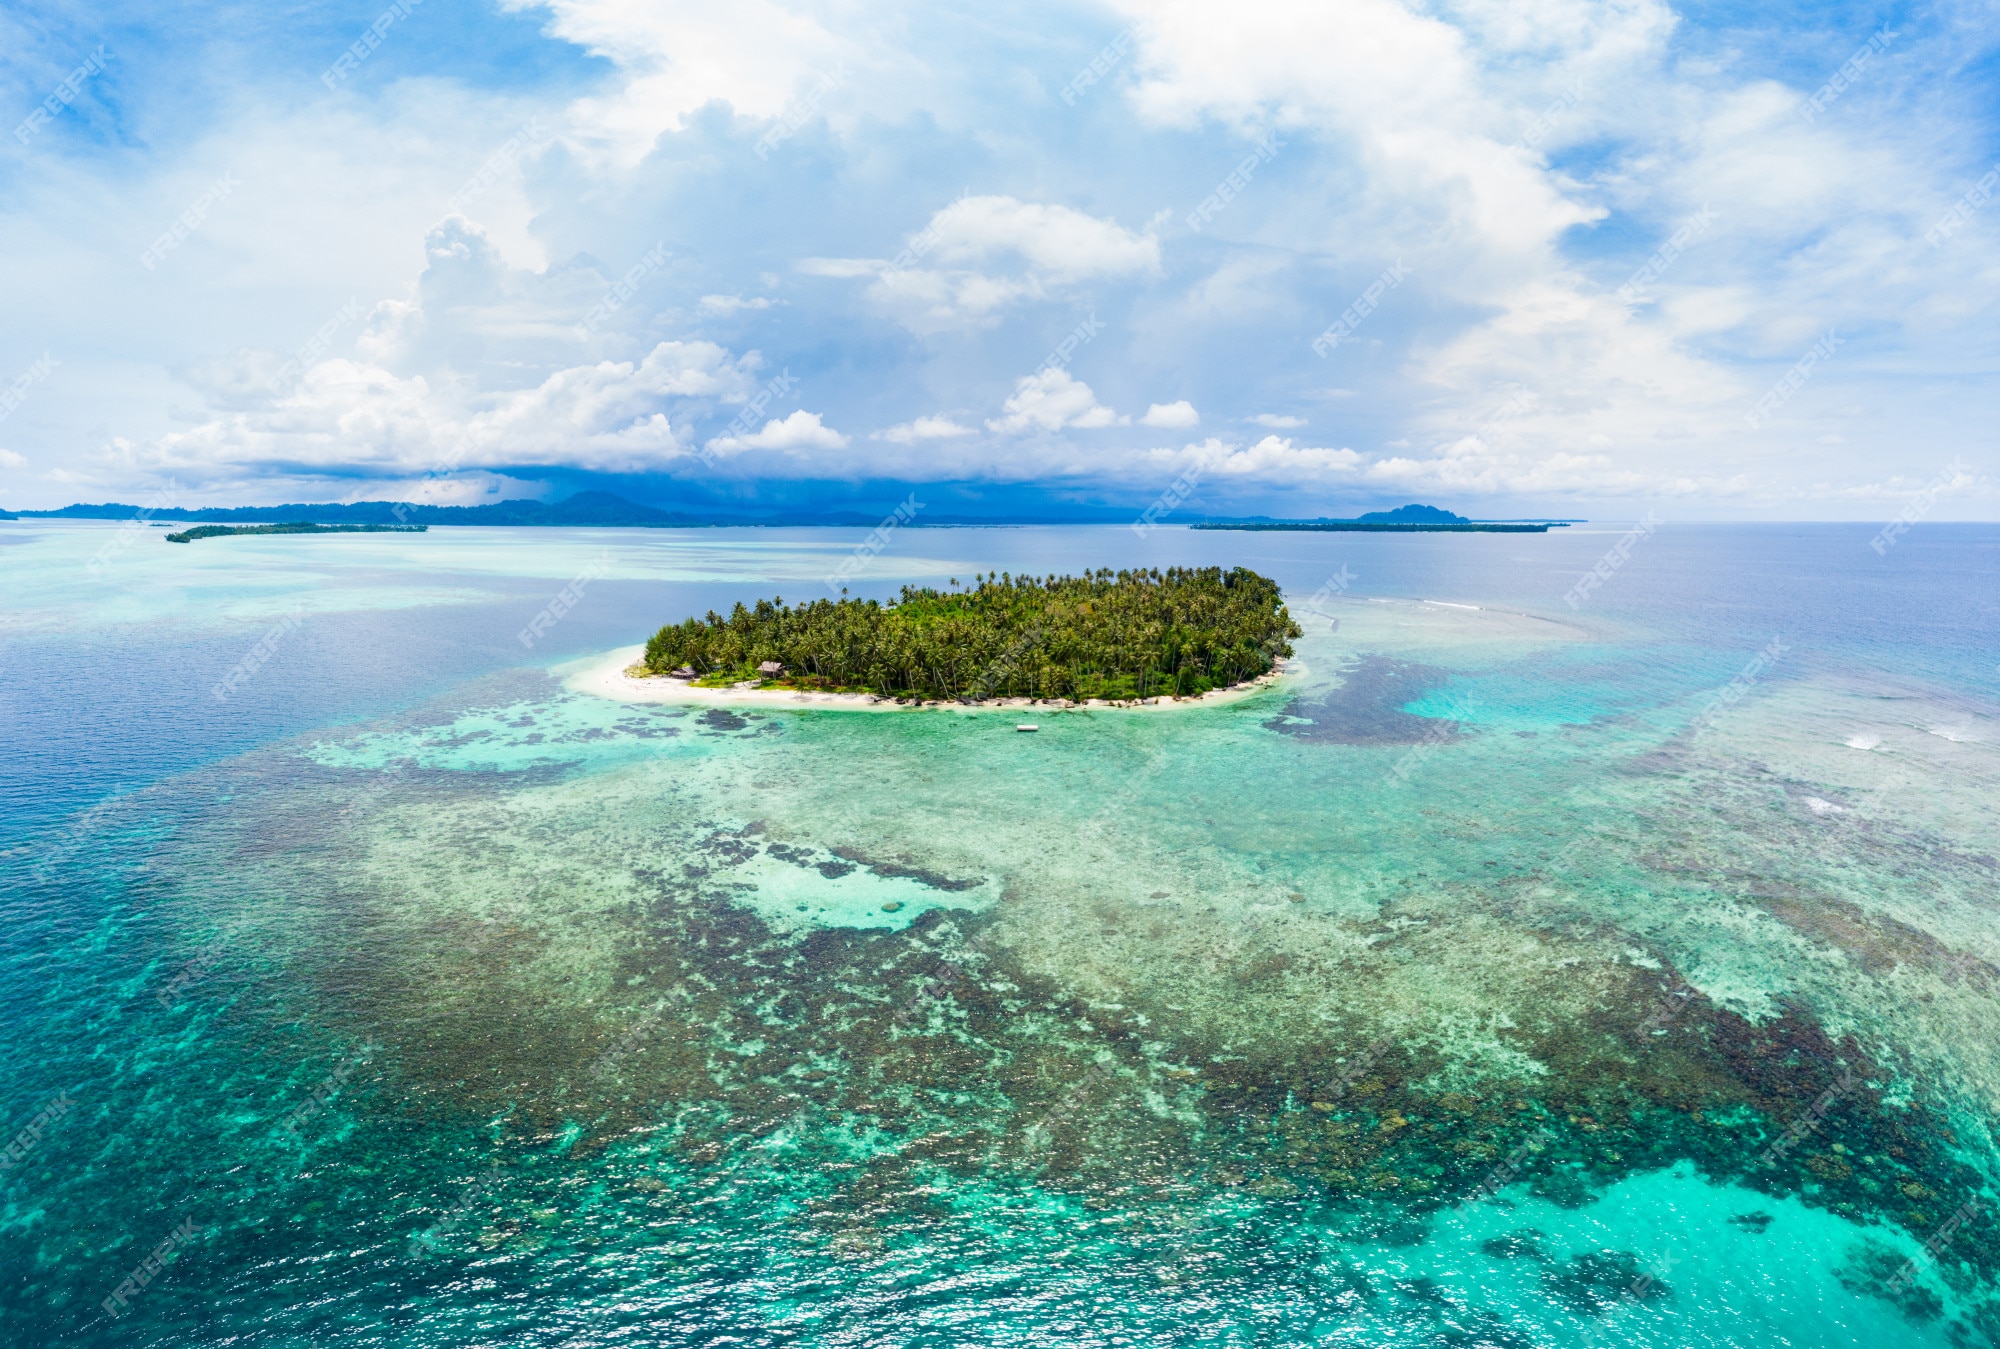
(1027,726)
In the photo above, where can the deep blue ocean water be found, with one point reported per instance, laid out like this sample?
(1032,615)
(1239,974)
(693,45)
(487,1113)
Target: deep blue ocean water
(1514,973)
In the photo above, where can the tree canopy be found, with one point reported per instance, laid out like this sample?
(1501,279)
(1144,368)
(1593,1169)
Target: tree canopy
(1128,634)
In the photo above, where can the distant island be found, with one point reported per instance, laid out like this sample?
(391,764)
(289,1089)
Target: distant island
(583,510)
(293,527)
(592,508)
(598,509)
(1411,519)
(1129,635)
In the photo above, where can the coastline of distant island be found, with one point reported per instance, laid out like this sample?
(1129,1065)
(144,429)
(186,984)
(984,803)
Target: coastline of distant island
(594,509)
(1411,519)
(597,509)
(291,527)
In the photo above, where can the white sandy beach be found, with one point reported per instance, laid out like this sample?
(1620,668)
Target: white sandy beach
(615,675)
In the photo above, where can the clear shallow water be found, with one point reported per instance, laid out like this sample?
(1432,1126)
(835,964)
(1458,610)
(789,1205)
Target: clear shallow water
(1453,993)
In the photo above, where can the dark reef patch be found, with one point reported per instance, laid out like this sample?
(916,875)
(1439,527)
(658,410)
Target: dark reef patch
(1367,709)
(846,860)
(1597,1281)
(936,880)
(1524,1244)
(1878,1270)
(1875,942)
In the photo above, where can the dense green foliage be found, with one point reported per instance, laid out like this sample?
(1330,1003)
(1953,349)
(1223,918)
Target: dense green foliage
(1132,634)
(294,527)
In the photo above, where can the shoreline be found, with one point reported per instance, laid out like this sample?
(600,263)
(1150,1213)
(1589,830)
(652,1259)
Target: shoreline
(610,675)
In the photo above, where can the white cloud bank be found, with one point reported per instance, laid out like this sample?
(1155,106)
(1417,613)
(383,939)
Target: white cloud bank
(353,416)
(801,431)
(982,255)
(926,428)
(676,56)
(1051,400)
(1177,414)
(401,403)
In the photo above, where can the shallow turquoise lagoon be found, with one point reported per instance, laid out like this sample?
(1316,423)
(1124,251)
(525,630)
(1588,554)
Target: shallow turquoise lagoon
(1510,974)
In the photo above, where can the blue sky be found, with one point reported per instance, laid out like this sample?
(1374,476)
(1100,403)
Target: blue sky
(812,251)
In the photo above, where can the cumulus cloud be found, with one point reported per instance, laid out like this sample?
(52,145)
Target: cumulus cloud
(1278,422)
(675,56)
(1277,457)
(1272,461)
(603,415)
(926,428)
(476,369)
(1177,414)
(1051,400)
(1443,137)
(800,431)
(345,413)
(1406,86)
(981,255)
(9,459)
(732,304)
(1055,243)
(470,309)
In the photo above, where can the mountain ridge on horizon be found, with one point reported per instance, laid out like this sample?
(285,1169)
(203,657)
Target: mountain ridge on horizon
(599,508)
(592,507)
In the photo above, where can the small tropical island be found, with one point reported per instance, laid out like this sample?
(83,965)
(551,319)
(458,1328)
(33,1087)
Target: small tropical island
(1112,637)
(295,527)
